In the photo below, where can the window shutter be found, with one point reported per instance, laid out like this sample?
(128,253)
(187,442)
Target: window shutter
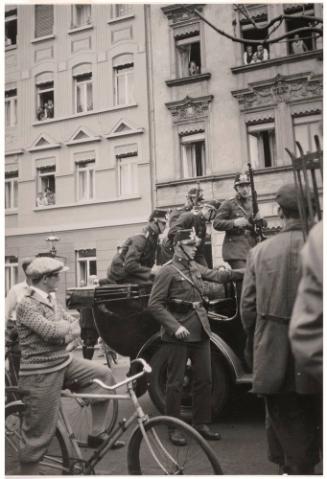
(43,20)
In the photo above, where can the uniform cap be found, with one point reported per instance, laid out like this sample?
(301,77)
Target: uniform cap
(241,179)
(160,215)
(44,267)
(286,197)
(186,237)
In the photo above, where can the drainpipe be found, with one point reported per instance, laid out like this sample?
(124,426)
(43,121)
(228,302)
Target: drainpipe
(150,94)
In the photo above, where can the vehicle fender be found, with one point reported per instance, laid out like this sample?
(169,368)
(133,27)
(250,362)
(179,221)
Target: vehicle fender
(233,362)
(149,346)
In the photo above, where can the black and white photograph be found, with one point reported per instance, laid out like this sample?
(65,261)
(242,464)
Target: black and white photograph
(163,238)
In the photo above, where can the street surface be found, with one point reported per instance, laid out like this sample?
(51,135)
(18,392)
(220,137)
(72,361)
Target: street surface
(242,449)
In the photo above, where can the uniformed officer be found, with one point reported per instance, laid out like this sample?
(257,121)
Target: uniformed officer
(134,261)
(193,197)
(197,218)
(177,302)
(233,217)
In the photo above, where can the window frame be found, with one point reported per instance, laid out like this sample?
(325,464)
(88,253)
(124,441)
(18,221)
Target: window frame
(12,100)
(11,18)
(131,161)
(85,167)
(125,71)
(307,120)
(12,180)
(190,140)
(41,187)
(12,268)
(40,91)
(115,14)
(74,17)
(261,160)
(50,34)
(194,38)
(87,260)
(82,84)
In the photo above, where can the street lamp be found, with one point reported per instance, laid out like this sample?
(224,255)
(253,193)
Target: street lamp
(52,239)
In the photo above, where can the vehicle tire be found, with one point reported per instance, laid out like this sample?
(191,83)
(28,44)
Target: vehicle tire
(157,455)
(55,462)
(157,387)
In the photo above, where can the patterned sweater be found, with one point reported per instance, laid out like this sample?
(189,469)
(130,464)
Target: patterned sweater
(44,330)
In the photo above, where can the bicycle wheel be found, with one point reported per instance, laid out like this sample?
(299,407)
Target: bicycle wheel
(55,462)
(79,415)
(156,455)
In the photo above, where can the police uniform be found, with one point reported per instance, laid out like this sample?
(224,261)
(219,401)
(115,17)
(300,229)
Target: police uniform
(175,301)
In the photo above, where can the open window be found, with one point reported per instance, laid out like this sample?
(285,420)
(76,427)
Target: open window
(193,155)
(127,169)
(84,92)
(188,54)
(255,53)
(11,272)
(262,145)
(303,41)
(44,96)
(86,266)
(44,19)
(81,15)
(46,186)
(11,107)
(11,27)
(305,128)
(123,69)
(11,190)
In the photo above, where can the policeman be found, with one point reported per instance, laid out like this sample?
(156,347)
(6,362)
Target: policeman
(233,217)
(134,261)
(197,218)
(177,303)
(193,197)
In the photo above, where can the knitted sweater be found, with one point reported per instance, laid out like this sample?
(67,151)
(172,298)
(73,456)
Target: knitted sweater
(43,330)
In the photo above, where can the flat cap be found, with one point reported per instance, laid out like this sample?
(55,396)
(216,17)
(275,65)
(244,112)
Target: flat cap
(160,215)
(286,197)
(186,236)
(26,261)
(45,266)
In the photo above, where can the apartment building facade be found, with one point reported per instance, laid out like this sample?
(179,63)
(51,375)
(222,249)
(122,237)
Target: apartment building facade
(77,156)
(214,112)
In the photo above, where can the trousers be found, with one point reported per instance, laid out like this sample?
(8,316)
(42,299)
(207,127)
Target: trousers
(178,354)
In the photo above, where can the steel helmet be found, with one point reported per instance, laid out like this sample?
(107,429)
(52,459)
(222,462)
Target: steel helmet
(241,179)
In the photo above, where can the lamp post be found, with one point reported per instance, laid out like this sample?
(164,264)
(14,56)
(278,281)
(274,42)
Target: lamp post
(52,239)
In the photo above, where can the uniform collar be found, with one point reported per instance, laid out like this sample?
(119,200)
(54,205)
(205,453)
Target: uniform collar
(181,260)
(292,225)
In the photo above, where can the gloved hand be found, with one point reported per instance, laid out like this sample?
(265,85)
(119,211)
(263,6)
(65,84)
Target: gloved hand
(182,332)
(241,222)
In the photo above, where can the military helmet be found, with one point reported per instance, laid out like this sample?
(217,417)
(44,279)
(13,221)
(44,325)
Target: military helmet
(158,215)
(241,179)
(186,236)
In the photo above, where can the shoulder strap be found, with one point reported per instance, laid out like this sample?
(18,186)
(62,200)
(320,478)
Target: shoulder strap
(187,279)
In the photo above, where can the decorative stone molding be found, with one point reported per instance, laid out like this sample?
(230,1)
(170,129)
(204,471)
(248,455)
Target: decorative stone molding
(124,128)
(280,89)
(44,142)
(82,135)
(189,108)
(189,79)
(177,14)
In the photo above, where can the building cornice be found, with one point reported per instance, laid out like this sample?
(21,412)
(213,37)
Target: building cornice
(18,151)
(188,79)
(189,108)
(177,14)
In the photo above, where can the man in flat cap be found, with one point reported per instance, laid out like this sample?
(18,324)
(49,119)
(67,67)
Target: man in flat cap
(177,303)
(134,261)
(271,280)
(47,334)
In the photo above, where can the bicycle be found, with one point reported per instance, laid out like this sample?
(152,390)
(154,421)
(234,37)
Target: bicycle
(149,450)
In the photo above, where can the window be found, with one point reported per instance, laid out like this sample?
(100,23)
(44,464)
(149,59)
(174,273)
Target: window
(305,128)
(255,53)
(11,27)
(193,155)
(120,10)
(188,55)
(46,186)
(86,266)
(85,180)
(83,92)
(43,20)
(11,190)
(44,98)
(127,161)
(81,15)
(11,107)
(262,145)
(123,80)
(303,41)
(11,272)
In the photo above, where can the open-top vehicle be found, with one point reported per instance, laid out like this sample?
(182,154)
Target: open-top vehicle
(126,325)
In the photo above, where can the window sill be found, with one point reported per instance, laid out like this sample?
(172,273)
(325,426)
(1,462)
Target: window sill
(11,211)
(82,114)
(190,79)
(80,28)
(9,48)
(121,19)
(43,39)
(278,61)
(88,203)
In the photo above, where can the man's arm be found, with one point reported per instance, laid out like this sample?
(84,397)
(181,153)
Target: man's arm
(223,220)
(220,275)
(133,258)
(248,307)
(158,302)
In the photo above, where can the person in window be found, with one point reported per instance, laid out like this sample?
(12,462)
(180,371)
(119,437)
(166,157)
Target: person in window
(49,109)
(40,200)
(248,55)
(137,257)
(40,113)
(8,42)
(261,54)
(298,45)
(49,196)
(193,69)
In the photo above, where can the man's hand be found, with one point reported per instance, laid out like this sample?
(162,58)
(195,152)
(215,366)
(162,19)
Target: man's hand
(182,333)
(241,222)
(73,344)
(155,268)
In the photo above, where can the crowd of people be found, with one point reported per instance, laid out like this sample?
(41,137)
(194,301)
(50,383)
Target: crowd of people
(256,54)
(279,288)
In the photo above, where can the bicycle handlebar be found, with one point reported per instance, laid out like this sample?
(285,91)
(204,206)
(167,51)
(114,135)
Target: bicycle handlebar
(146,370)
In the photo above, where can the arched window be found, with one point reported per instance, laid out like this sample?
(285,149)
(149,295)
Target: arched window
(45,102)
(123,69)
(83,87)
